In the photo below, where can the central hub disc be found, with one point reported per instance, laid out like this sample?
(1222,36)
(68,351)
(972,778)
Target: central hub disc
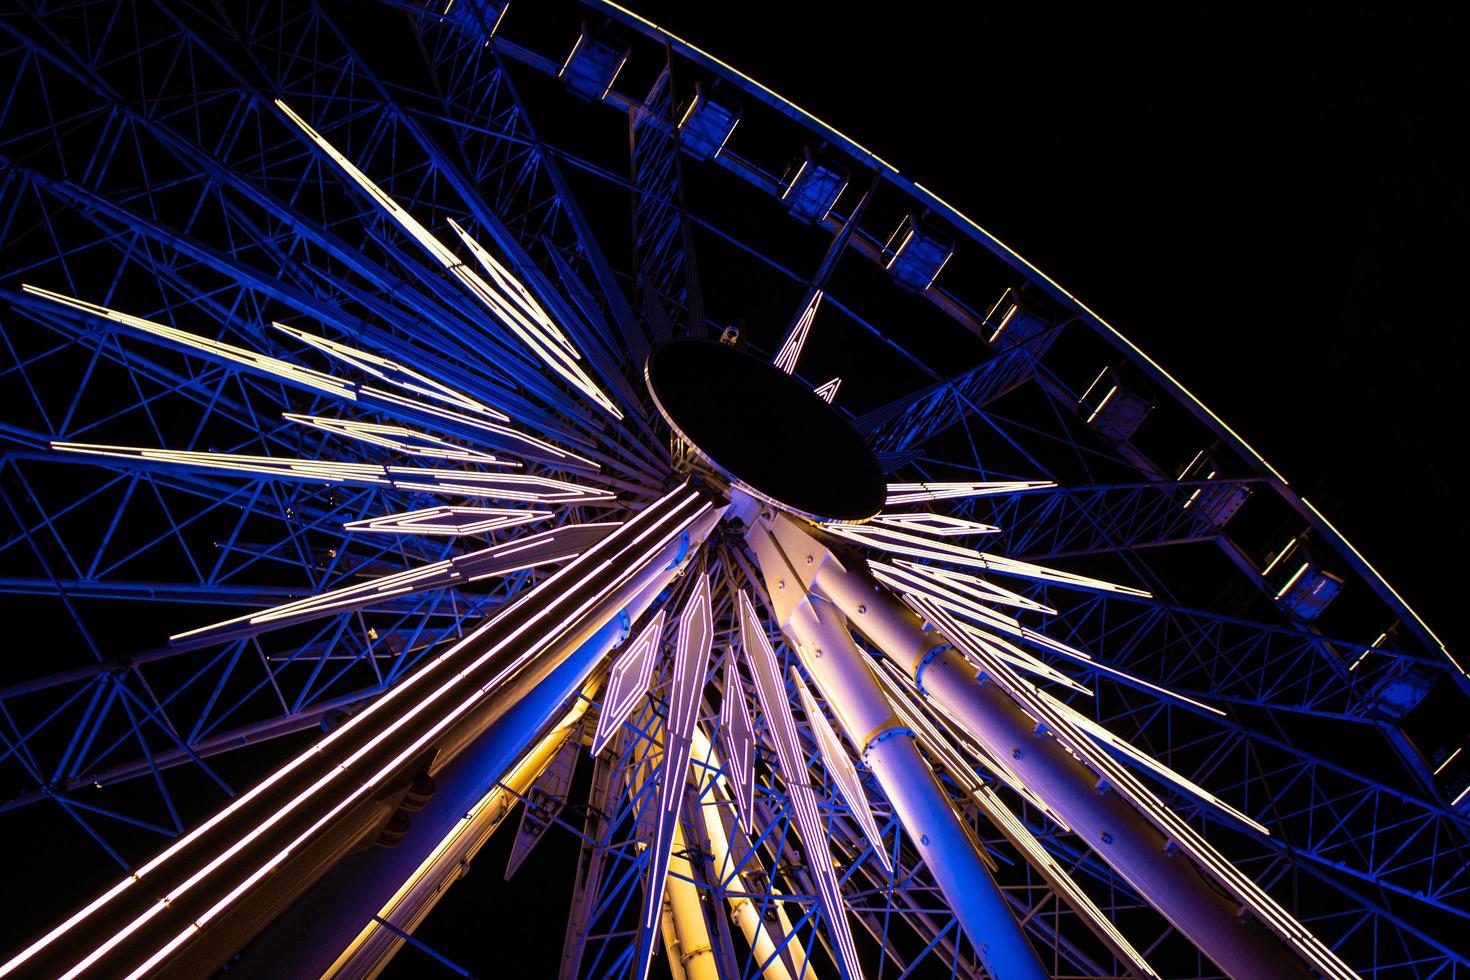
(765,431)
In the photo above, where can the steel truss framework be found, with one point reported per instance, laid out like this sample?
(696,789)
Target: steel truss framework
(151,166)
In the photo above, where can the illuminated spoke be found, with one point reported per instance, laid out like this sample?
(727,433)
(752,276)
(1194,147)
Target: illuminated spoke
(449,521)
(842,771)
(547,548)
(739,740)
(781,728)
(909,493)
(553,353)
(691,660)
(505,486)
(627,682)
(790,351)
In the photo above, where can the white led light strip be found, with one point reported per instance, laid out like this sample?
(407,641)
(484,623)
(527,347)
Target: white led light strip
(505,486)
(555,353)
(437,575)
(790,351)
(417,746)
(912,545)
(691,661)
(942,525)
(945,733)
(293,373)
(460,521)
(676,504)
(739,738)
(782,729)
(486,418)
(1016,832)
(1142,758)
(628,681)
(399,439)
(394,373)
(842,771)
(908,493)
(1076,741)
(517,293)
(973,586)
(903,581)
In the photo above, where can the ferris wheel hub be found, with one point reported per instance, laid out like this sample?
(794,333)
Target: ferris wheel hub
(764,431)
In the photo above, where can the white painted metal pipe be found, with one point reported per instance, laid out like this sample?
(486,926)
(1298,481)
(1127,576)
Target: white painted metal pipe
(1129,843)
(846,680)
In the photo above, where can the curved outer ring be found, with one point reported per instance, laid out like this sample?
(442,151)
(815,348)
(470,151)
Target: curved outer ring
(972,230)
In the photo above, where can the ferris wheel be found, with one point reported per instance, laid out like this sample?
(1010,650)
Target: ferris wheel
(430,424)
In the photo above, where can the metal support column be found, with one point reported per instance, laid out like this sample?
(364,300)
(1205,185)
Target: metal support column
(842,673)
(1117,832)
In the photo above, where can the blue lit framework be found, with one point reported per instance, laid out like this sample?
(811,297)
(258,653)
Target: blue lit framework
(149,168)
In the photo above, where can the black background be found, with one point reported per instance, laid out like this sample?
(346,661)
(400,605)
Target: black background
(1270,203)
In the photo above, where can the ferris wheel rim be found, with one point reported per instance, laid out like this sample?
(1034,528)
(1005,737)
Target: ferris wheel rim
(976,232)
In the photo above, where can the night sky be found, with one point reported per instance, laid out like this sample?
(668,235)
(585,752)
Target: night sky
(1271,204)
(1263,201)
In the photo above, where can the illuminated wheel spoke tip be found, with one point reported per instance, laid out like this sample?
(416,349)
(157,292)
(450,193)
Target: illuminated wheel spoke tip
(449,521)
(505,304)
(546,548)
(763,431)
(908,493)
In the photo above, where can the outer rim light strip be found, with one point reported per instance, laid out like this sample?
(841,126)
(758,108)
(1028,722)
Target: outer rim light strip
(995,242)
(1369,565)
(378,703)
